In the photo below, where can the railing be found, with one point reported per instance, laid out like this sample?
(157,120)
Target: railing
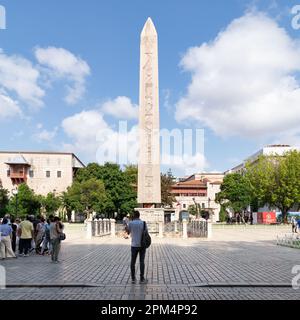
(100,227)
(108,227)
(291,241)
(197,229)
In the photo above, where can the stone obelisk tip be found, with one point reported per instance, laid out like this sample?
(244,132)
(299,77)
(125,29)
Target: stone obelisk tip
(149,28)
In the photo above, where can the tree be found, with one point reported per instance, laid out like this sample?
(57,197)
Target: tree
(235,193)
(275,181)
(87,196)
(4,200)
(192,209)
(121,194)
(167,181)
(131,174)
(27,202)
(51,203)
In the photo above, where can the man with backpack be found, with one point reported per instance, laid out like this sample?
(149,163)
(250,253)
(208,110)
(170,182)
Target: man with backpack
(136,229)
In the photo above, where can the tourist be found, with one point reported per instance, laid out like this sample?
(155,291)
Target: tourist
(135,229)
(26,233)
(40,233)
(14,227)
(5,244)
(125,224)
(47,241)
(56,229)
(294,225)
(17,223)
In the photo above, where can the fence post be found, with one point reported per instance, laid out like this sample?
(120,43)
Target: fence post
(113,228)
(184,229)
(175,226)
(209,229)
(89,228)
(160,229)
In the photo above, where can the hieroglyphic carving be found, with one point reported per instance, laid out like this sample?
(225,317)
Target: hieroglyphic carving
(149,173)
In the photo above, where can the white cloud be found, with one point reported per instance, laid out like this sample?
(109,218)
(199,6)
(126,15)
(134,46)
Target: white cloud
(95,140)
(121,108)
(244,81)
(9,108)
(18,76)
(45,135)
(61,63)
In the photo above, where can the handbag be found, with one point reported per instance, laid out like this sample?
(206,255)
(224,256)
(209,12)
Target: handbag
(62,236)
(146,239)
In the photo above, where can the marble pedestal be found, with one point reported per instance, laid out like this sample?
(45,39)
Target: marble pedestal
(151,214)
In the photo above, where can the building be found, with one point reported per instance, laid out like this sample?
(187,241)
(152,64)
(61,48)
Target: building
(199,189)
(275,149)
(43,172)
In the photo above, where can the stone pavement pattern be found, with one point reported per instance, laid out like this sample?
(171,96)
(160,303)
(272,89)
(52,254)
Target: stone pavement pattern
(239,263)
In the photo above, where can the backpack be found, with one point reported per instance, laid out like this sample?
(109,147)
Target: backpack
(146,239)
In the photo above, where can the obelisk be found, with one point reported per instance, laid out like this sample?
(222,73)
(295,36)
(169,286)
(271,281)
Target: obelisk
(149,189)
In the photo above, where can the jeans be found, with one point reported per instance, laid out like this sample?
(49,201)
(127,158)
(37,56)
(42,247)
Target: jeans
(55,249)
(134,253)
(24,245)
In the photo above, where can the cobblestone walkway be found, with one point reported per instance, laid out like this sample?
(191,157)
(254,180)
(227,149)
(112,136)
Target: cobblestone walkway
(237,264)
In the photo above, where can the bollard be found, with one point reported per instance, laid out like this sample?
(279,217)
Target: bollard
(209,229)
(89,229)
(113,228)
(184,229)
(160,229)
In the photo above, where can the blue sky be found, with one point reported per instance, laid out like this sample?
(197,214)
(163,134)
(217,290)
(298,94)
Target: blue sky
(70,69)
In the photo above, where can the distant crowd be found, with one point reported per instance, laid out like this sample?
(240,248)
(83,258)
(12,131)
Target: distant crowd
(33,235)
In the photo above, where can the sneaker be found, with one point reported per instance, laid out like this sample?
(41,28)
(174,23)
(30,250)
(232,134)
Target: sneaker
(143,281)
(26,255)
(133,281)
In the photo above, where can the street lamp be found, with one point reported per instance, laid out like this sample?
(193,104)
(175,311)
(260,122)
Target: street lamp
(15,193)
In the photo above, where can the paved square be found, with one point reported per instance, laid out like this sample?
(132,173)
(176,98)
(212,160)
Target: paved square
(239,263)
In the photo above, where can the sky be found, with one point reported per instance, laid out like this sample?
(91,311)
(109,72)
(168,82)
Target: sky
(69,77)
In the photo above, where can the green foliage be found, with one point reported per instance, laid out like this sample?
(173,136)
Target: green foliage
(222,214)
(25,202)
(87,196)
(50,203)
(167,180)
(119,189)
(235,192)
(192,209)
(4,200)
(276,181)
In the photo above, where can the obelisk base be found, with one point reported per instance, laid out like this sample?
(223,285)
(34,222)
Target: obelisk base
(152,216)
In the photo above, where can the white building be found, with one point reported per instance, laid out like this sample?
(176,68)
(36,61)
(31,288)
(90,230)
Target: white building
(43,172)
(276,149)
(199,189)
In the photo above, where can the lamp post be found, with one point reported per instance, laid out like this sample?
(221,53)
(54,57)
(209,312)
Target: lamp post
(15,193)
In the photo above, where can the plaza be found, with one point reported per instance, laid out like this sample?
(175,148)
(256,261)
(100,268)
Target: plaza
(238,263)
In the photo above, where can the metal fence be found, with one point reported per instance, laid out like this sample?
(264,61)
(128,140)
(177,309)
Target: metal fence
(197,229)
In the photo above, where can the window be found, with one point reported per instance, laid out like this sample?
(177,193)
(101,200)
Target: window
(31,174)
(8,173)
(203,205)
(58,174)
(48,174)
(184,206)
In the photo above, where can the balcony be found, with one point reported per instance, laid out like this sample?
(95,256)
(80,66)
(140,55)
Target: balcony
(18,175)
